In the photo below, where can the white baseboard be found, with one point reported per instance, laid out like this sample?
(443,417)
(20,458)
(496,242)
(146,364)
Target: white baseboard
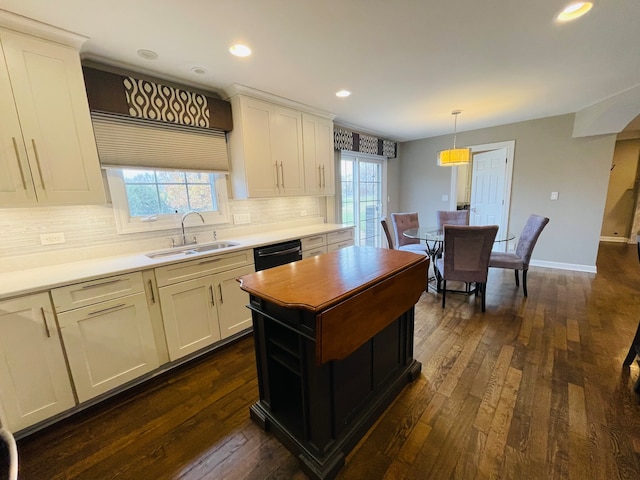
(564,266)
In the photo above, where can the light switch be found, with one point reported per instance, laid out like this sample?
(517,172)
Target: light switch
(554,195)
(445,198)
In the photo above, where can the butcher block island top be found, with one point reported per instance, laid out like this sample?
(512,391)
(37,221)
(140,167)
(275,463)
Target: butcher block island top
(355,292)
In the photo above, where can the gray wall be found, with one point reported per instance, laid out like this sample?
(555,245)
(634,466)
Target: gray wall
(547,159)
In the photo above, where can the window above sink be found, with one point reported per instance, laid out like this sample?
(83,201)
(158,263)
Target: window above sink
(150,200)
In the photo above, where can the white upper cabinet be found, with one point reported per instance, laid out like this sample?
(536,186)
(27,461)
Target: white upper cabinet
(279,150)
(266,149)
(47,149)
(317,136)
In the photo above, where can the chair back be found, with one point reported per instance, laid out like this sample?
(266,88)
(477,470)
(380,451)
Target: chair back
(529,236)
(402,222)
(466,252)
(387,233)
(452,217)
(8,455)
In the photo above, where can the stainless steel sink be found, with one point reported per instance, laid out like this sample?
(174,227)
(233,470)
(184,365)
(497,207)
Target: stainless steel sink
(192,249)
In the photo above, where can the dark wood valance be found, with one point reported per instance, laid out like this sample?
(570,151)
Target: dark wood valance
(345,139)
(127,95)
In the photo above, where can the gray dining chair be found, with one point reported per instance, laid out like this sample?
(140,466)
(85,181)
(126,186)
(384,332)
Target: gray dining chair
(466,257)
(452,217)
(522,256)
(402,222)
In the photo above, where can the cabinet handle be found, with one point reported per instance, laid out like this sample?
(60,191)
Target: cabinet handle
(46,326)
(213,302)
(15,147)
(220,291)
(324,183)
(35,151)
(282,174)
(108,282)
(275,165)
(115,307)
(319,176)
(153,297)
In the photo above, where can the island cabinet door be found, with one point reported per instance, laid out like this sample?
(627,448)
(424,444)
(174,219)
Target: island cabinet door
(108,344)
(190,316)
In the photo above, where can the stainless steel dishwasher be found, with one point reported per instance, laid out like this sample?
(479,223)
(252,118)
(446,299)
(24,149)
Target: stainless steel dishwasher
(277,254)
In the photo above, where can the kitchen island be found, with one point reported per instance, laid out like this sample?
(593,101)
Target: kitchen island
(334,346)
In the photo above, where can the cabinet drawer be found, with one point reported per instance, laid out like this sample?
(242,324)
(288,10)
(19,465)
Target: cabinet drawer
(332,247)
(341,236)
(179,272)
(314,252)
(309,243)
(99,290)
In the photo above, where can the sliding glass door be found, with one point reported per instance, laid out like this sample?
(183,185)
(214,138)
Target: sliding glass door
(362,188)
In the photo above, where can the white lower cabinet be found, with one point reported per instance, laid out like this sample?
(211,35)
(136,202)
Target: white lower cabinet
(199,312)
(190,316)
(34,382)
(108,344)
(232,302)
(109,340)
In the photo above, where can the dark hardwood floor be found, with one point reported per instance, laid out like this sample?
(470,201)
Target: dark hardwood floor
(532,389)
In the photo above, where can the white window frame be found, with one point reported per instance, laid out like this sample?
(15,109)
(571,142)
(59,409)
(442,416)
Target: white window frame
(338,205)
(125,223)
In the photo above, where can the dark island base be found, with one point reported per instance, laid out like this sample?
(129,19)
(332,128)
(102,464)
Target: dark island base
(321,412)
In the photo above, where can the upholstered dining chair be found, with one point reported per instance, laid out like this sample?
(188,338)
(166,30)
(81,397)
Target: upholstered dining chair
(522,256)
(387,233)
(8,455)
(466,257)
(452,217)
(402,222)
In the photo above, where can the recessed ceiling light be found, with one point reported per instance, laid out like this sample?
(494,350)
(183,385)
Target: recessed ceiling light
(343,93)
(573,11)
(240,50)
(148,54)
(199,70)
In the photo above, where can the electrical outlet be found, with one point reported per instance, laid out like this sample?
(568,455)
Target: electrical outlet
(554,195)
(52,238)
(240,218)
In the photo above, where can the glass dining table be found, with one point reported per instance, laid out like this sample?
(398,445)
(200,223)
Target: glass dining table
(434,238)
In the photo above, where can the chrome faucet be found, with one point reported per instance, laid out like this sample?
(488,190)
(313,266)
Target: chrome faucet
(184,238)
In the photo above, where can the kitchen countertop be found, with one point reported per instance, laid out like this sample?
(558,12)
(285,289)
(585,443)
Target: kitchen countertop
(38,279)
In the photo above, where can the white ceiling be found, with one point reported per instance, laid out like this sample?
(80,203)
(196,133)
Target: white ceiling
(409,63)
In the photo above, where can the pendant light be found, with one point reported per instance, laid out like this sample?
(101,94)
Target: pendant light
(454,156)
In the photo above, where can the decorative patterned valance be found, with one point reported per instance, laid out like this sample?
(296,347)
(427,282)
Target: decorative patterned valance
(161,102)
(344,139)
(127,95)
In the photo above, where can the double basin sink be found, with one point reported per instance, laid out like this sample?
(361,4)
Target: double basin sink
(192,249)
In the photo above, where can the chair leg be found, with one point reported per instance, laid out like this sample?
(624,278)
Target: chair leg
(635,347)
(444,291)
(483,286)
(517,278)
(524,281)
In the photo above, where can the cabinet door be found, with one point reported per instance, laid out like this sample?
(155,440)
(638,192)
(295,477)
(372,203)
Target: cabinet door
(34,383)
(258,124)
(16,186)
(317,134)
(108,344)
(288,151)
(232,301)
(190,317)
(50,97)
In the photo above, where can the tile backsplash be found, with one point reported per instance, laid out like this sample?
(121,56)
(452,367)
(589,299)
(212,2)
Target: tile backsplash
(90,230)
